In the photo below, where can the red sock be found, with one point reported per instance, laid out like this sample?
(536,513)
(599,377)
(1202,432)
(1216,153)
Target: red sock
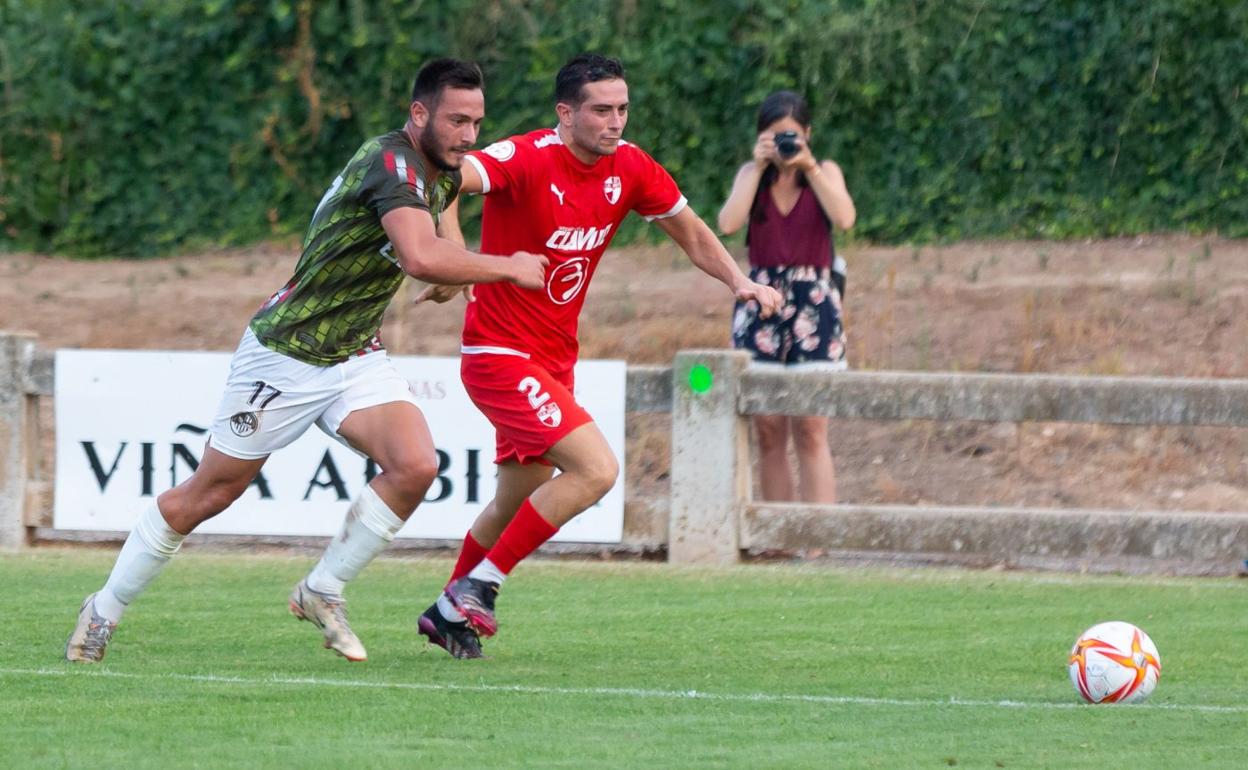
(523,535)
(470,555)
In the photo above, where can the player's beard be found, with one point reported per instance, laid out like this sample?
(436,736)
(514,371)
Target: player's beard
(435,151)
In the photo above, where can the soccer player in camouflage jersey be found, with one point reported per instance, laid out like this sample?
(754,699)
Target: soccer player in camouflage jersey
(312,355)
(333,305)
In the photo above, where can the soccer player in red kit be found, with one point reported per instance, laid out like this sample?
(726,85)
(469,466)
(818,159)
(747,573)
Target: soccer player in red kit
(560,192)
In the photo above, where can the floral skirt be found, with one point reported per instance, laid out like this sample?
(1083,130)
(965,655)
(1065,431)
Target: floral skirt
(808,327)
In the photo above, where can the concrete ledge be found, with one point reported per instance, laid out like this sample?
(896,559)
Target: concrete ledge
(996,397)
(41,377)
(1026,537)
(315,545)
(1101,566)
(37,510)
(645,534)
(645,522)
(649,389)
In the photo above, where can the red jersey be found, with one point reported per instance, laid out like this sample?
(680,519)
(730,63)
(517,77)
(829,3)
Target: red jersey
(540,198)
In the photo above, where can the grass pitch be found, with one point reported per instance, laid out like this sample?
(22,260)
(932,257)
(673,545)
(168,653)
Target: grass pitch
(617,665)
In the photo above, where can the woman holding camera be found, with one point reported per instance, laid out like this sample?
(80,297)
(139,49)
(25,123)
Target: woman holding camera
(789,201)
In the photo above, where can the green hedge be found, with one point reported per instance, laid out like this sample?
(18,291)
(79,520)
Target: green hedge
(138,127)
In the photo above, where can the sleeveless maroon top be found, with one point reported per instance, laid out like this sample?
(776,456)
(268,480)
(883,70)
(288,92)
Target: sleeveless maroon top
(801,238)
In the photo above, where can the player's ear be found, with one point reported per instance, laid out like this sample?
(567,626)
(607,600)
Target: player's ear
(419,114)
(564,111)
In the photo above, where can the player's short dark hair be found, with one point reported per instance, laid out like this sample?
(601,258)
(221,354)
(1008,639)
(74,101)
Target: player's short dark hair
(440,74)
(581,69)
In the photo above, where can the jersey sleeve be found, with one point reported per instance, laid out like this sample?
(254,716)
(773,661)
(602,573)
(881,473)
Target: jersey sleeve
(502,166)
(394,179)
(657,195)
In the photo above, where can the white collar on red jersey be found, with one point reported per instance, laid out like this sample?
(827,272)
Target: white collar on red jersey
(551,138)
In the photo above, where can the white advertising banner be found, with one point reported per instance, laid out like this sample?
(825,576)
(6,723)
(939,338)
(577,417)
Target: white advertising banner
(131,424)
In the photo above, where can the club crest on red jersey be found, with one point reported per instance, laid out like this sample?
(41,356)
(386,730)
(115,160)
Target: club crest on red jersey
(611,188)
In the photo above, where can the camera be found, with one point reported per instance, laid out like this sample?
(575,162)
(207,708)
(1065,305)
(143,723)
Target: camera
(786,144)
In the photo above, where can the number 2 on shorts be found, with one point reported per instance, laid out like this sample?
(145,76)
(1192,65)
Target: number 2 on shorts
(533,388)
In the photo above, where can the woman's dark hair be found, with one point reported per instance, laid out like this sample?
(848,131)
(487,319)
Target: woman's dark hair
(779,105)
(441,74)
(783,104)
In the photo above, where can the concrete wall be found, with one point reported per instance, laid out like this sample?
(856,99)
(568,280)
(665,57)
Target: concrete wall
(1084,540)
(17,352)
(711,517)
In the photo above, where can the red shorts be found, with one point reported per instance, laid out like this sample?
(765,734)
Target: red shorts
(530,407)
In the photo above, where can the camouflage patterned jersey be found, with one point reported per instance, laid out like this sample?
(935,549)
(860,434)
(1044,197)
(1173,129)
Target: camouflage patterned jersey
(347,274)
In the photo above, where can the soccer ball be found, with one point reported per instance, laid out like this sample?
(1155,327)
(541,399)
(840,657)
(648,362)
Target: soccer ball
(1114,662)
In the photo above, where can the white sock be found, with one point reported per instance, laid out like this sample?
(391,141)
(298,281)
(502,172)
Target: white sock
(448,610)
(369,528)
(149,547)
(488,572)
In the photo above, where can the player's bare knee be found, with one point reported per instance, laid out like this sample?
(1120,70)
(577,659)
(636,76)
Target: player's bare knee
(217,497)
(415,473)
(601,475)
(186,512)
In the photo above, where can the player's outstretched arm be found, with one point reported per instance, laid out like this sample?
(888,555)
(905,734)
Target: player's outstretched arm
(422,254)
(710,256)
(448,228)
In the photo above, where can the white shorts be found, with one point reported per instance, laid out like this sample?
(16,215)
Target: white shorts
(272,399)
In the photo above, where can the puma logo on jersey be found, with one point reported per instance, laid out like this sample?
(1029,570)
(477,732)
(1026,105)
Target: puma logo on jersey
(557,192)
(577,238)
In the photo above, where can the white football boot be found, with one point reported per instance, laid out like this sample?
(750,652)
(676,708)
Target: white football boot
(328,613)
(89,641)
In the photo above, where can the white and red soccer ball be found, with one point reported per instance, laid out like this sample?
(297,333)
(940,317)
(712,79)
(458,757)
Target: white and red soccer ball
(1114,662)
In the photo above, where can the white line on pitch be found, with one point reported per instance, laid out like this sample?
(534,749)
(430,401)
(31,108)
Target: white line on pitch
(622,692)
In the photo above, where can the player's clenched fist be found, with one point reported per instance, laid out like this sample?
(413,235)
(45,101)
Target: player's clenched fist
(528,270)
(768,299)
